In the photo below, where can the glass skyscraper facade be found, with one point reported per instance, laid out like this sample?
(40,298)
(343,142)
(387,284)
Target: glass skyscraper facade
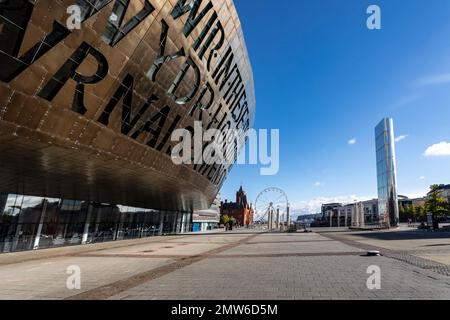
(386,173)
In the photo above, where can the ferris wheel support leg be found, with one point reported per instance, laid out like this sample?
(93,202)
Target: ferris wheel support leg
(288,217)
(271,220)
(278,220)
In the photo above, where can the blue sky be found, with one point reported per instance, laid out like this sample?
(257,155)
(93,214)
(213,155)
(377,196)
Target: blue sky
(323,79)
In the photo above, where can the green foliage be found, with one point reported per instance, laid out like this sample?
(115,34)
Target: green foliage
(402,213)
(420,213)
(224,219)
(412,210)
(401,209)
(415,213)
(435,203)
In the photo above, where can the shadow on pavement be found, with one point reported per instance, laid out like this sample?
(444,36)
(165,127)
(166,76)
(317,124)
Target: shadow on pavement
(405,235)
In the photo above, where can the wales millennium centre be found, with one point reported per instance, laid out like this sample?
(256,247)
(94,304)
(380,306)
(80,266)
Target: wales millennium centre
(90,93)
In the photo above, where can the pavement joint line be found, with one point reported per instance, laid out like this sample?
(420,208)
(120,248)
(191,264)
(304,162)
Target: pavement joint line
(286,242)
(117,287)
(227,256)
(403,256)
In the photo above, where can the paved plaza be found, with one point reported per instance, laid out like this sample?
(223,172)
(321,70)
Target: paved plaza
(239,266)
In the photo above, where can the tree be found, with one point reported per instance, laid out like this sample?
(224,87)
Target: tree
(411,210)
(448,206)
(402,212)
(436,204)
(224,219)
(420,213)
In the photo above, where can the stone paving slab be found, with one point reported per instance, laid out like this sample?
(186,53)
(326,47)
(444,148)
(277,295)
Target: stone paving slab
(104,292)
(404,240)
(327,277)
(236,265)
(290,244)
(194,245)
(267,248)
(413,245)
(407,254)
(289,238)
(166,249)
(443,258)
(47,279)
(17,257)
(212,238)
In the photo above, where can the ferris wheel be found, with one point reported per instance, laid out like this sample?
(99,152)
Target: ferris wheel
(269,204)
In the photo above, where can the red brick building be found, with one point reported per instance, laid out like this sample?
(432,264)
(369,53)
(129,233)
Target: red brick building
(241,210)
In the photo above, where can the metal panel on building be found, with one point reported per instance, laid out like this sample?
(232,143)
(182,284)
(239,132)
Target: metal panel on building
(87,113)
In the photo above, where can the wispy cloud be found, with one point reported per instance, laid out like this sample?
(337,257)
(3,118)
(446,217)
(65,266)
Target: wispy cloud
(352,141)
(318,184)
(436,79)
(422,178)
(314,206)
(400,138)
(438,150)
(402,102)
(415,195)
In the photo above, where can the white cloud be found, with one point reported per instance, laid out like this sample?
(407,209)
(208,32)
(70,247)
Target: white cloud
(314,206)
(415,195)
(436,79)
(404,101)
(422,178)
(352,141)
(438,150)
(317,184)
(400,138)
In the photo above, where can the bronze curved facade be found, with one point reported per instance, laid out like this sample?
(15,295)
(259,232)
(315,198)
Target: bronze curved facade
(87,113)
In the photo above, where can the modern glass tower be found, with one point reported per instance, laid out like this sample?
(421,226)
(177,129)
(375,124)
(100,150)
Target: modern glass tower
(387,173)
